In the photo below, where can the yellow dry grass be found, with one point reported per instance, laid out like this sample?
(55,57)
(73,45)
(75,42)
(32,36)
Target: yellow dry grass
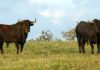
(49,56)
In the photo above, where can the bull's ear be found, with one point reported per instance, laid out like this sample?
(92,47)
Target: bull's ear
(92,22)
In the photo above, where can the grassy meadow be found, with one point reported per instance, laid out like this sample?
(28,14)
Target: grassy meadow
(45,55)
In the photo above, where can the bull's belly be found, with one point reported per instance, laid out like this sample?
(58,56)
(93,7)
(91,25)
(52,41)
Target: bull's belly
(93,40)
(10,39)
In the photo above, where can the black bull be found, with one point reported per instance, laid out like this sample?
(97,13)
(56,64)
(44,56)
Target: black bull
(88,32)
(16,33)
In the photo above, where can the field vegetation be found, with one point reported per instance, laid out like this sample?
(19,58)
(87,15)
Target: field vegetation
(44,55)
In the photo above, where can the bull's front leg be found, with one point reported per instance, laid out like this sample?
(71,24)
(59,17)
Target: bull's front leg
(1,47)
(98,47)
(98,44)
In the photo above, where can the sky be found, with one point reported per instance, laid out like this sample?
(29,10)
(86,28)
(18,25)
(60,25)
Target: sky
(54,15)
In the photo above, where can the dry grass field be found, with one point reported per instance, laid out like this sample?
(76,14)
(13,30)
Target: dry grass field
(49,56)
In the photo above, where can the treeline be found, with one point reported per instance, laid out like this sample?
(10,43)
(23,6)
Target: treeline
(48,36)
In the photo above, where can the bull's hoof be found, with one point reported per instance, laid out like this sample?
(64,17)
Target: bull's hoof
(79,51)
(17,53)
(98,52)
(2,52)
(84,52)
(92,53)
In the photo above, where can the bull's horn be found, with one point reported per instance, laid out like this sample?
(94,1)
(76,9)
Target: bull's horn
(35,20)
(19,20)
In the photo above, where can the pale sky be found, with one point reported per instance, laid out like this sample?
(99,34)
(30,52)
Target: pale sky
(53,15)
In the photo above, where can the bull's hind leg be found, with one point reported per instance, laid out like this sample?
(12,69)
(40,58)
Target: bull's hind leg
(1,47)
(98,47)
(17,47)
(92,47)
(80,47)
(79,43)
(83,46)
(98,42)
(21,47)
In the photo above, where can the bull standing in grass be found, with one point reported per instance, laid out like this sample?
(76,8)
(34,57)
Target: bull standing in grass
(88,31)
(16,33)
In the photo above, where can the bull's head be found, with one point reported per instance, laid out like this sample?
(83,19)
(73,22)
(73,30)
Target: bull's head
(25,25)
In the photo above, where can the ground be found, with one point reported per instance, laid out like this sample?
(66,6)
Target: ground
(49,56)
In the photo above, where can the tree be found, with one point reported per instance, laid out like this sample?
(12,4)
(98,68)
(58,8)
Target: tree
(70,35)
(45,35)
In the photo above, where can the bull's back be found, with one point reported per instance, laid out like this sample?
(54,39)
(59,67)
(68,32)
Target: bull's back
(86,30)
(8,33)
